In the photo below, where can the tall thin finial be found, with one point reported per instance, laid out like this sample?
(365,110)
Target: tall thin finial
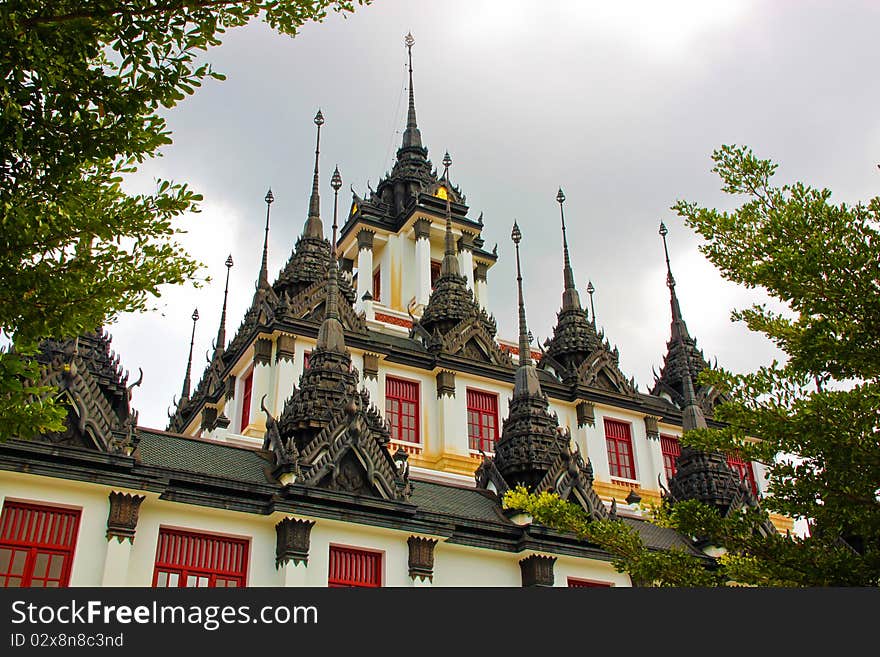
(411,136)
(186,380)
(570,298)
(264,267)
(336,184)
(314,228)
(449,265)
(590,290)
(525,357)
(692,416)
(221,332)
(678,327)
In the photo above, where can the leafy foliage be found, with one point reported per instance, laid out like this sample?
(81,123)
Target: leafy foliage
(80,87)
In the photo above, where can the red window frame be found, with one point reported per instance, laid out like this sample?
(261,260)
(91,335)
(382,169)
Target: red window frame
(307,357)
(402,409)
(618,441)
(482,410)
(575,583)
(352,567)
(195,559)
(247,391)
(744,469)
(377,285)
(37,545)
(435,272)
(670,447)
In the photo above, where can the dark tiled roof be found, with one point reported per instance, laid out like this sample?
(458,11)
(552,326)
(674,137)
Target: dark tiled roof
(454,501)
(202,457)
(660,537)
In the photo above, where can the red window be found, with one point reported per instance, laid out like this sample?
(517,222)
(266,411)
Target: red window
(352,567)
(36,545)
(246,401)
(482,410)
(402,409)
(671,449)
(435,272)
(620,451)
(307,357)
(185,559)
(377,284)
(586,583)
(744,470)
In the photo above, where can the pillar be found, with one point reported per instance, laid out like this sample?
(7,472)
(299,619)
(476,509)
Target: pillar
(452,437)
(121,526)
(466,257)
(481,286)
(262,385)
(422,231)
(365,264)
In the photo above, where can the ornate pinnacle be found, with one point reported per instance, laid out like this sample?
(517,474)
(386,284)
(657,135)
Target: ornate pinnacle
(411,136)
(450,262)
(336,184)
(186,380)
(524,350)
(670,281)
(313,223)
(590,290)
(678,326)
(569,297)
(264,267)
(221,332)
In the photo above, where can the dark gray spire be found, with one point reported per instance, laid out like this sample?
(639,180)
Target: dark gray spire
(331,335)
(590,290)
(263,280)
(570,298)
(679,328)
(220,346)
(184,395)
(314,227)
(411,136)
(691,415)
(526,380)
(450,261)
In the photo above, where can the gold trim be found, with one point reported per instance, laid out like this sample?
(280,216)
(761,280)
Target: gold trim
(608,489)
(450,462)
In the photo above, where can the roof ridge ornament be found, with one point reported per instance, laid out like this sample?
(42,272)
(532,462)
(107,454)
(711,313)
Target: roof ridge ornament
(411,136)
(314,227)
(220,345)
(570,298)
(450,262)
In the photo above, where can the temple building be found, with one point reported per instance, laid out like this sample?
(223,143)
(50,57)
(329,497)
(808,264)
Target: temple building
(362,423)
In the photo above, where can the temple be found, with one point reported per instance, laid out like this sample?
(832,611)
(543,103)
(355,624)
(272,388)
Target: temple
(364,421)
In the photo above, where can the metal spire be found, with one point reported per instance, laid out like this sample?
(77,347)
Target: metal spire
(691,415)
(570,298)
(336,184)
(590,290)
(264,268)
(331,335)
(186,380)
(221,332)
(524,350)
(411,136)
(450,261)
(314,228)
(679,329)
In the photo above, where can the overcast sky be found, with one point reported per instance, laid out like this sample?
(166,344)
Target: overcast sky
(619,103)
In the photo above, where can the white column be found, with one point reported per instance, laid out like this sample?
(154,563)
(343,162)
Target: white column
(116,562)
(294,575)
(466,264)
(597,449)
(285,379)
(422,232)
(453,437)
(481,286)
(263,384)
(365,266)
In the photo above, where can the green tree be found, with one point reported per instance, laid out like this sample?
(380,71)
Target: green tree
(81,87)
(818,414)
